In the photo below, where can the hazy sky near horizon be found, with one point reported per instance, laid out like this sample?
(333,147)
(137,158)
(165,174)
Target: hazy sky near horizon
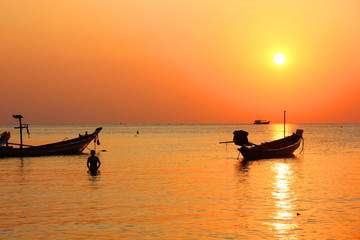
(179,61)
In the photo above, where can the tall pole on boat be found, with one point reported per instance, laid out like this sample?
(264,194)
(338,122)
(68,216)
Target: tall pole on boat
(21,128)
(21,140)
(284,122)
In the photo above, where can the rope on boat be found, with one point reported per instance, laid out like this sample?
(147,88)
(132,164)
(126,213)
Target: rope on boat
(96,142)
(27,130)
(302,146)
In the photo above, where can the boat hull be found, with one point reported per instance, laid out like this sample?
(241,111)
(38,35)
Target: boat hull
(283,148)
(72,146)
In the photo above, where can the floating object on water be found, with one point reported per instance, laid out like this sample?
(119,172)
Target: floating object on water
(261,122)
(70,146)
(281,148)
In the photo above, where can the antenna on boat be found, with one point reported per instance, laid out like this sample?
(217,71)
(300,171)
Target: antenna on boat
(284,122)
(21,126)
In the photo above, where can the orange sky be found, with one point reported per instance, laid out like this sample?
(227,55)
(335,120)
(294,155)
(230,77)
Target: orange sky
(179,61)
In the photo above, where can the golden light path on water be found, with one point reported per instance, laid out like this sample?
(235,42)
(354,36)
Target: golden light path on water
(278,131)
(282,221)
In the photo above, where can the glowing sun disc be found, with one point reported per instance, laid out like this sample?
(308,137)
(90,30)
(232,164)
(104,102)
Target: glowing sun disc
(279,59)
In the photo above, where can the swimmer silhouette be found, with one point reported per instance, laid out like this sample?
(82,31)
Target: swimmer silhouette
(93,163)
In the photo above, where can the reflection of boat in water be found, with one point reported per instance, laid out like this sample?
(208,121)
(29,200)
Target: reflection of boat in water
(261,122)
(281,148)
(70,146)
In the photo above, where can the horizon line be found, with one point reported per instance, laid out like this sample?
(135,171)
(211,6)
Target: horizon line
(179,123)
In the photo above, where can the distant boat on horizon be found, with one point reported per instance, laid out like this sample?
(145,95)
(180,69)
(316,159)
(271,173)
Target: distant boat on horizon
(261,122)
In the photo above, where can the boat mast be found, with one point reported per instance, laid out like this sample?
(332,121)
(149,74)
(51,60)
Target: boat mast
(284,122)
(21,126)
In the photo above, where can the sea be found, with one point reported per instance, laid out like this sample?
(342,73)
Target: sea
(176,181)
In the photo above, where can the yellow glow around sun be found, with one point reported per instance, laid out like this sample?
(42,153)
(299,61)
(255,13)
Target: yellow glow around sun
(279,58)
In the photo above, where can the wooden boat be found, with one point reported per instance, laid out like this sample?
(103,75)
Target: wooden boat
(261,122)
(282,148)
(70,146)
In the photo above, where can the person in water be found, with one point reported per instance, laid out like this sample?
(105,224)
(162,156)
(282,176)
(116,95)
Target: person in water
(93,162)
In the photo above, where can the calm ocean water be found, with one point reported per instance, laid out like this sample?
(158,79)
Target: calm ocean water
(178,182)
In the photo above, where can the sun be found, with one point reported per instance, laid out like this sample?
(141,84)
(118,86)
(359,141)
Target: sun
(279,58)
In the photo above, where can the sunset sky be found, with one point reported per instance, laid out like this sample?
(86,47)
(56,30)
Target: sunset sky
(179,61)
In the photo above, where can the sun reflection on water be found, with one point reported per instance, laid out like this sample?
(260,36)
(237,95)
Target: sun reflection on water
(282,222)
(278,130)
